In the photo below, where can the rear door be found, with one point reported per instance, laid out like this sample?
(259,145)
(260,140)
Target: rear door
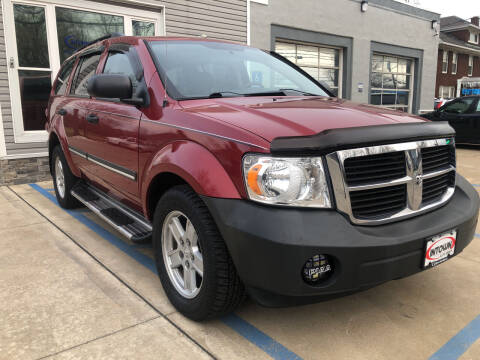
(457,113)
(473,123)
(112,130)
(75,109)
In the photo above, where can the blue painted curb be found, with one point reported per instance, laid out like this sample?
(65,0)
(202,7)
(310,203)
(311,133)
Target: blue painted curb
(242,327)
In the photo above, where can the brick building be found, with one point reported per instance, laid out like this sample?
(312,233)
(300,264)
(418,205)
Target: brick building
(458,56)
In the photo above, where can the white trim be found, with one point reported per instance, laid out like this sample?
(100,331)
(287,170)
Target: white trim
(249,19)
(263,2)
(3,149)
(25,156)
(469,50)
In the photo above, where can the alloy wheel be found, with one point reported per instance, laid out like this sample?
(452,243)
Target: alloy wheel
(182,254)
(59,177)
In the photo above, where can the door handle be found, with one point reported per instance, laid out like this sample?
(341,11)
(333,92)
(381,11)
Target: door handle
(92,118)
(62,112)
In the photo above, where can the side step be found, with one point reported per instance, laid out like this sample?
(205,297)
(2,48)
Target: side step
(129,223)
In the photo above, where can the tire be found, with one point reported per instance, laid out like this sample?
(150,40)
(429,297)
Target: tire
(62,188)
(219,290)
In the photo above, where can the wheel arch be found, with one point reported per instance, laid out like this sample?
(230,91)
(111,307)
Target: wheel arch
(184,162)
(53,141)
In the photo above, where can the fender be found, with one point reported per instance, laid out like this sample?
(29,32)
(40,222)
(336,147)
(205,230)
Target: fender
(56,127)
(194,164)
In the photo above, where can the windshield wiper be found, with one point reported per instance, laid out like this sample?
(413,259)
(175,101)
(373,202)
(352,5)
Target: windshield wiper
(219,94)
(300,91)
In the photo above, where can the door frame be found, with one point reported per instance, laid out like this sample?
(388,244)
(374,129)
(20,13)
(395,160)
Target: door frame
(156,15)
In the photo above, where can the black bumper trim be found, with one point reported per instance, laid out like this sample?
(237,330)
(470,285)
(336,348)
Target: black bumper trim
(270,245)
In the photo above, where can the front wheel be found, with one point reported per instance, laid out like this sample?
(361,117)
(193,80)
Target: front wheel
(63,180)
(193,263)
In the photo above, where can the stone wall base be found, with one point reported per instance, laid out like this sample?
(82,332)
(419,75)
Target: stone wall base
(24,171)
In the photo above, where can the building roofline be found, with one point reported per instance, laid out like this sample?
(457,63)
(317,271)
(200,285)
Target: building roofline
(457,46)
(404,9)
(460,27)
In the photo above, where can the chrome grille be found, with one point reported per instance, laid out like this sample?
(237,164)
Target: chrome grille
(382,167)
(385,183)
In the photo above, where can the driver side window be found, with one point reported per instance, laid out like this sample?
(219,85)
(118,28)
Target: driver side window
(459,106)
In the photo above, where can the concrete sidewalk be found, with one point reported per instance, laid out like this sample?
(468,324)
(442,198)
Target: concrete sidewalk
(57,301)
(73,288)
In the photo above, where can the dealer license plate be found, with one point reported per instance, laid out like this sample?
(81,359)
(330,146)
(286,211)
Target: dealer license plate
(440,248)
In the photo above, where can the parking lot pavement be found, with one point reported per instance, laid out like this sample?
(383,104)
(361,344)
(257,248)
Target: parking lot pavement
(73,288)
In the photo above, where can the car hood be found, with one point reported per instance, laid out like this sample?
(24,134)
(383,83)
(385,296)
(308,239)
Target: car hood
(270,117)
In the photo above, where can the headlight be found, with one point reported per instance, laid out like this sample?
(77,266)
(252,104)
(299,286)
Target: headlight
(286,181)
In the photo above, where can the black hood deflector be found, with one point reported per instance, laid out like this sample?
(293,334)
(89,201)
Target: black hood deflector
(346,138)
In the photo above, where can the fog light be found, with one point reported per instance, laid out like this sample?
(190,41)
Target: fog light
(317,268)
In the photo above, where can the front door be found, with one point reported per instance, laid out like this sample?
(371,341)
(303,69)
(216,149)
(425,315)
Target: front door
(30,70)
(112,131)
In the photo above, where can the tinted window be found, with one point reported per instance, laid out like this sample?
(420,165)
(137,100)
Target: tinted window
(63,75)
(459,106)
(85,69)
(119,63)
(478,107)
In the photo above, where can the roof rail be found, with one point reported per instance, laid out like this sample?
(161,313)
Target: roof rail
(108,36)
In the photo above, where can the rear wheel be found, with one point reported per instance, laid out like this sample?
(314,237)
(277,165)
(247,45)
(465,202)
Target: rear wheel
(192,260)
(63,180)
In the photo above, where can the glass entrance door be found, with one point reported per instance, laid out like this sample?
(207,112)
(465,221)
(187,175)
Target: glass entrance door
(76,28)
(45,33)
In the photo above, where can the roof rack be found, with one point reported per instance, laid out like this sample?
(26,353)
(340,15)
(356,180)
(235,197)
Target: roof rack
(104,37)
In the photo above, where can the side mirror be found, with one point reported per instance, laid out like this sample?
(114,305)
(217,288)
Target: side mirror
(110,86)
(113,86)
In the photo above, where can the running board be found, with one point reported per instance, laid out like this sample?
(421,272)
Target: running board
(128,223)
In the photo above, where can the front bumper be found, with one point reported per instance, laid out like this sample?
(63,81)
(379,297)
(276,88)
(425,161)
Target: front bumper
(270,245)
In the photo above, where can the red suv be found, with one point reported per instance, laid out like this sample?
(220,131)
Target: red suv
(248,176)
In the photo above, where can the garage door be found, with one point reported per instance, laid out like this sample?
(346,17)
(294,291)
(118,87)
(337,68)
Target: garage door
(322,63)
(392,82)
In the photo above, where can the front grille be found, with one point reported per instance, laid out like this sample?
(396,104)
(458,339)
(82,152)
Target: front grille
(437,158)
(383,183)
(435,187)
(379,202)
(374,168)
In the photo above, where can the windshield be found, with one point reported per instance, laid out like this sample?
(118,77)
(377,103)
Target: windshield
(203,69)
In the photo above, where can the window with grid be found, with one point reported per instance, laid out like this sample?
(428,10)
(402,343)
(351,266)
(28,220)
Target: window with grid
(391,82)
(321,63)
(445,62)
(454,63)
(473,37)
(446,92)
(470,65)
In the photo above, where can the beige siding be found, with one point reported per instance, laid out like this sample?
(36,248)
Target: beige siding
(218,19)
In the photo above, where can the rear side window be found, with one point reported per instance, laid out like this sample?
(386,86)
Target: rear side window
(460,106)
(86,68)
(62,79)
(119,63)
